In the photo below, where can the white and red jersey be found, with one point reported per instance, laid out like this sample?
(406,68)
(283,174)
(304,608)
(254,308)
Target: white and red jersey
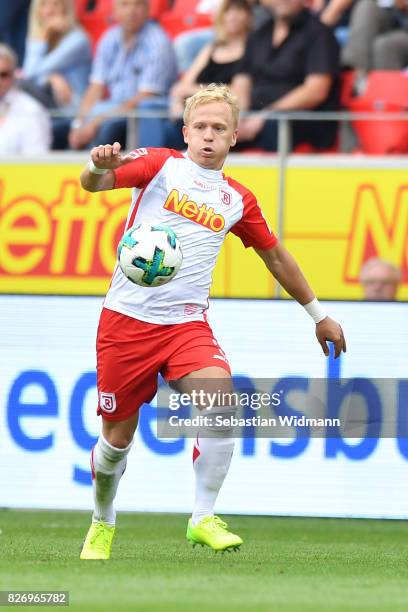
(201,206)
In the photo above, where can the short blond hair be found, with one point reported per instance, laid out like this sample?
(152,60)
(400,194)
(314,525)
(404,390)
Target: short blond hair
(214,92)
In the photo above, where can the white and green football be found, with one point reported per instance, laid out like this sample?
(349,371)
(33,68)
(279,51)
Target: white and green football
(150,255)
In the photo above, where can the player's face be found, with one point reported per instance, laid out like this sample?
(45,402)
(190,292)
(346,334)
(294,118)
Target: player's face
(6,75)
(209,134)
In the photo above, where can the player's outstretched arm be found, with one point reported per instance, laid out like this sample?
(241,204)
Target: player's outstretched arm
(98,173)
(286,271)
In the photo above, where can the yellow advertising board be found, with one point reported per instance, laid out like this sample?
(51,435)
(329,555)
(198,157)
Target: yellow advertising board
(56,238)
(337,218)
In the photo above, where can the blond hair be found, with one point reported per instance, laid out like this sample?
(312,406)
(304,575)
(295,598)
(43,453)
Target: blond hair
(34,25)
(214,92)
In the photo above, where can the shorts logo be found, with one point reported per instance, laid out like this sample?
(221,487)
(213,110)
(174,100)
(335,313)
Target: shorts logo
(225,197)
(107,401)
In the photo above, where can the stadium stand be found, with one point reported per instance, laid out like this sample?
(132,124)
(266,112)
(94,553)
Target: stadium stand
(184,16)
(298,71)
(386,91)
(219,61)
(13,25)
(378,38)
(95,16)
(24,123)
(134,60)
(58,58)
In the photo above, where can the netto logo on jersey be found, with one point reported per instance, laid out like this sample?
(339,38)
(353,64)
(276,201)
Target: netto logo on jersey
(201,214)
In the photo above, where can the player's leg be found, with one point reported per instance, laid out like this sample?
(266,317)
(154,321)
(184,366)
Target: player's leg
(108,463)
(214,446)
(126,379)
(213,449)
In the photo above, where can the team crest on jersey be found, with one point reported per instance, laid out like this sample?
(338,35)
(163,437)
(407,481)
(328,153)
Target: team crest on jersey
(107,401)
(225,197)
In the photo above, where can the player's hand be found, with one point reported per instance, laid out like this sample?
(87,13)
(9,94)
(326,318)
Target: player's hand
(108,156)
(329,330)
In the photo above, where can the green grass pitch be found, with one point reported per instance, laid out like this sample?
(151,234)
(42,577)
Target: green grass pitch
(285,564)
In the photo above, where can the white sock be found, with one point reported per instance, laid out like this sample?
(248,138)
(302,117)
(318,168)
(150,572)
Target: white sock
(108,464)
(211,461)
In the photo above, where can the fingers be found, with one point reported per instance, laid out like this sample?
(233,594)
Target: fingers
(338,345)
(105,153)
(330,331)
(344,341)
(324,346)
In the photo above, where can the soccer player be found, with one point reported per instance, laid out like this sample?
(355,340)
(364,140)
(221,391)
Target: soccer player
(144,331)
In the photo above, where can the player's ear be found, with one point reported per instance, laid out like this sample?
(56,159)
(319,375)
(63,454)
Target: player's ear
(234,138)
(185,134)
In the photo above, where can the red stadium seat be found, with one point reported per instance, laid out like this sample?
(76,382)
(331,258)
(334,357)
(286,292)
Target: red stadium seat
(385,91)
(157,8)
(183,16)
(95,16)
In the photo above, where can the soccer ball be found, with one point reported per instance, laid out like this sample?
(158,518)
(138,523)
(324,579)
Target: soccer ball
(150,255)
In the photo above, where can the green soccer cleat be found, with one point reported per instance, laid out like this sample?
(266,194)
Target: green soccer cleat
(98,541)
(212,532)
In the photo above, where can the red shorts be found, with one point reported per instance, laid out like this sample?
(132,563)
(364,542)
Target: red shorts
(131,354)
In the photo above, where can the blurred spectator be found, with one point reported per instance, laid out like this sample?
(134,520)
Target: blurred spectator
(379,279)
(290,63)
(218,62)
(378,38)
(336,14)
(188,44)
(134,60)
(13,25)
(24,124)
(58,55)
(331,12)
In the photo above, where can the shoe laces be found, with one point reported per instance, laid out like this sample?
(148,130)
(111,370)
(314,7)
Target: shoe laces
(215,523)
(100,538)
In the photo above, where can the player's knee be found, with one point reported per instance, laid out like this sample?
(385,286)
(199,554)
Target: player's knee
(118,439)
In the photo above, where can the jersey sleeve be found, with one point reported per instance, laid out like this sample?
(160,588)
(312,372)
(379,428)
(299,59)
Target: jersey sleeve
(145,164)
(252,228)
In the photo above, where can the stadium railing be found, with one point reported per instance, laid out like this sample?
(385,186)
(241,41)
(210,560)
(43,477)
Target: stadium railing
(284,121)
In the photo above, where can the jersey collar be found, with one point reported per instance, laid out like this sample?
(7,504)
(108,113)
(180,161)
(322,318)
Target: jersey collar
(206,173)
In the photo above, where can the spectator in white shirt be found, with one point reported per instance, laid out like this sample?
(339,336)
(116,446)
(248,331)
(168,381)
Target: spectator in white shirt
(24,124)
